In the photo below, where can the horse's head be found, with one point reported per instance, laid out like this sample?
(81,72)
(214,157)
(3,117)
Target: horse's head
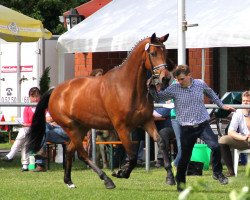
(156,58)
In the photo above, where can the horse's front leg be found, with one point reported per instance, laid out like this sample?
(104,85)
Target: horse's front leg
(150,128)
(131,151)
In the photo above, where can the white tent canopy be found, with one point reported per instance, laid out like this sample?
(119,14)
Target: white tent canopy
(122,23)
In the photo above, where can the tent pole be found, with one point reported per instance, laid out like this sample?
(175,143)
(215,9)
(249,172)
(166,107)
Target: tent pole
(203,64)
(223,70)
(181,33)
(61,67)
(18,88)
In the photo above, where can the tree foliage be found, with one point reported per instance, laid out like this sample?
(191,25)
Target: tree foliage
(48,11)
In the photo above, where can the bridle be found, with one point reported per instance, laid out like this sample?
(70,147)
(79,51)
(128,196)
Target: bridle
(147,49)
(154,68)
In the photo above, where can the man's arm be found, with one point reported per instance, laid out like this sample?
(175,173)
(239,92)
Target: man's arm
(211,94)
(160,96)
(238,136)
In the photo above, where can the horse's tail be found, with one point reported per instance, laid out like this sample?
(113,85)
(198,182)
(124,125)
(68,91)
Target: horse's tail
(36,133)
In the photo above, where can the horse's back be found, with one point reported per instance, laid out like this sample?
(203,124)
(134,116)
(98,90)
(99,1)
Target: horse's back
(79,99)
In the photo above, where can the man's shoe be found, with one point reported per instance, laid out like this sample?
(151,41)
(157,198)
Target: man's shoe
(221,178)
(39,168)
(6,159)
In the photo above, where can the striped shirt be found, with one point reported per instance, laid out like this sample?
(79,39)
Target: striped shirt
(189,102)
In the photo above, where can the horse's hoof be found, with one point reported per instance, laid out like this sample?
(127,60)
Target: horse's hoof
(170,181)
(71,186)
(120,174)
(109,184)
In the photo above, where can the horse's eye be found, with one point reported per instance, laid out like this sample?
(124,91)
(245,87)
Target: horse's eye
(153,53)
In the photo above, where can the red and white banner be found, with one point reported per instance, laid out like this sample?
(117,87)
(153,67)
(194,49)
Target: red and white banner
(13,69)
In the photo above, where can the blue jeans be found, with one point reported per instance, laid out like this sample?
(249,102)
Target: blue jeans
(177,131)
(189,135)
(54,134)
(141,150)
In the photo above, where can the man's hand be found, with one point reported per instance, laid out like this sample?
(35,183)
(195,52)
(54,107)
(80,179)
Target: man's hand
(229,108)
(152,91)
(248,138)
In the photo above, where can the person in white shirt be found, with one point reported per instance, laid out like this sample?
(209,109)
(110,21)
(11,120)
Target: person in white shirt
(238,134)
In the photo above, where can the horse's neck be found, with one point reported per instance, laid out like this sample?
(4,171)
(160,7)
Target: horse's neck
(136,74)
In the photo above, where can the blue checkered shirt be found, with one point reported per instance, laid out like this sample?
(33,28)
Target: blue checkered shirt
(189,102)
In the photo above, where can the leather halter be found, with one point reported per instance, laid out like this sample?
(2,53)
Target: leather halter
(154,68)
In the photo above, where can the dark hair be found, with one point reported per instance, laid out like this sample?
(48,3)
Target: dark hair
(96,71)
(34,91)
(181,69)
(246,93)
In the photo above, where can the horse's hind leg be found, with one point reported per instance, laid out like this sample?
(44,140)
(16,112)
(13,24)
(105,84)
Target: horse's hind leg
(67,170)
(76,144)
(163,145)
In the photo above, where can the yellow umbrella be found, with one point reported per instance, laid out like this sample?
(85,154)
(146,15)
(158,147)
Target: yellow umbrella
(17,27)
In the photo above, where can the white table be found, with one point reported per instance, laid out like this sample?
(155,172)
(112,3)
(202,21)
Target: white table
(10,125)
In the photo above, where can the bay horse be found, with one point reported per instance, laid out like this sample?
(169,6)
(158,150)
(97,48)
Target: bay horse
(117,100)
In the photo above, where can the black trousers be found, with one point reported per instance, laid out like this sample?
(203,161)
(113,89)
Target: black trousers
(189,135)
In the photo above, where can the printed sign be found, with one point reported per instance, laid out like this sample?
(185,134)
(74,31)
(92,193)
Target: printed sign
(13,69)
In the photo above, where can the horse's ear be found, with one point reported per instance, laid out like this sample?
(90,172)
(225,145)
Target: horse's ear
(153,37)
(164,38)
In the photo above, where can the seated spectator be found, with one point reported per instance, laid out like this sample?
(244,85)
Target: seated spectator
(54,134)
(140,154)
(88,147)
(162,121)
(177,131)
(102,149)
(137,136)
(238,134)
(34,96)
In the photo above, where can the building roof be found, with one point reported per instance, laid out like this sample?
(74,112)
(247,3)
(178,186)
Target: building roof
(89,8)
(119,25)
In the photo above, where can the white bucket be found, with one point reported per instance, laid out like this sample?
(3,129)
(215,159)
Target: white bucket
(59,154)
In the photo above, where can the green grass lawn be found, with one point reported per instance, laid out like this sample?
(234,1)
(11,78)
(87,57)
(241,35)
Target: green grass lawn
(5,145)
(141,184)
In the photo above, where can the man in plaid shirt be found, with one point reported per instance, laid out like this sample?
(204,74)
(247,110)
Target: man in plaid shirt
(188,96)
